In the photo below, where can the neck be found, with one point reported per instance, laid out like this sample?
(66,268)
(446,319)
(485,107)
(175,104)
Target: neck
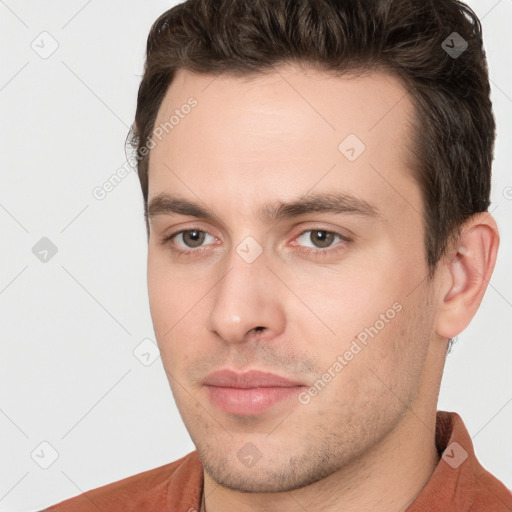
(388,478)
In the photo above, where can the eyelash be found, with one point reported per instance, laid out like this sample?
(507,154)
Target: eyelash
(167,241)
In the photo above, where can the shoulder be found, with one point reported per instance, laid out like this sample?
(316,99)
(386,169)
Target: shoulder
(177,483)
(489,493)
(484,492)
(459,481)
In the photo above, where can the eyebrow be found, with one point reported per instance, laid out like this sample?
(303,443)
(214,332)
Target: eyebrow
(336,203)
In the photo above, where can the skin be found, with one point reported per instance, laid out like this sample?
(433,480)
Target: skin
(366,440)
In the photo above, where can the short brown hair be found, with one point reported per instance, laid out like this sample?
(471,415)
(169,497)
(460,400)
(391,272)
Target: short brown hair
(454,127)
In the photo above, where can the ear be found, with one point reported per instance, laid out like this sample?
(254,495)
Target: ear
(465,274)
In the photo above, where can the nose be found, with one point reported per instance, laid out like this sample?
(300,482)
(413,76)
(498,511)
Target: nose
(246,301)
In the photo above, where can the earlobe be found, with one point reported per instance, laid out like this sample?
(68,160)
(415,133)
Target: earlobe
(467,273)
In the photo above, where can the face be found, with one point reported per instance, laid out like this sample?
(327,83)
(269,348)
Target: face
(329,293)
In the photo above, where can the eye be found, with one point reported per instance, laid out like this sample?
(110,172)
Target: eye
(320,238)
(189,238)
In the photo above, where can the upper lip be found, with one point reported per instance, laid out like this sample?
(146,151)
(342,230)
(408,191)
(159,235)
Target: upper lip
(250,379)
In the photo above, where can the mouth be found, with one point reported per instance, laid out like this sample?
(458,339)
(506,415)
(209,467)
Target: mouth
(249,393)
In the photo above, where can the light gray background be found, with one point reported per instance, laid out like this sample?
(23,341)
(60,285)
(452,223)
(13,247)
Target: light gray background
(70,325)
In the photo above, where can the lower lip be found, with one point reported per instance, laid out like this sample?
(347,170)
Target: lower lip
(250,401)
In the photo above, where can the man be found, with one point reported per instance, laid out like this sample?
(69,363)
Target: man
(316,176)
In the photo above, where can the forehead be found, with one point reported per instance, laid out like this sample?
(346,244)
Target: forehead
(281,134)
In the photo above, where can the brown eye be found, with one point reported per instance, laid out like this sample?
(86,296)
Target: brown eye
(318,238)
(320,243)
(321,239)
(188,242)
(193,237)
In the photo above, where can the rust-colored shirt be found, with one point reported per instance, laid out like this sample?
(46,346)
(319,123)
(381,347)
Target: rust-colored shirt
(458,484)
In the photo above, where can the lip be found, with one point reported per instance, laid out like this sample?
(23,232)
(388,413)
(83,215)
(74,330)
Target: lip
(250,379)
(249,393)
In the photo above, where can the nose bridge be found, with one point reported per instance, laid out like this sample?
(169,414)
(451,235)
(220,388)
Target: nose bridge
(242,299)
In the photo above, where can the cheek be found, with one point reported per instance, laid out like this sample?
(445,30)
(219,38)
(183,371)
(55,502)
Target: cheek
(171,291)
(379,369)
(161,297)
(340,302)
(364,315)
(176,312)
